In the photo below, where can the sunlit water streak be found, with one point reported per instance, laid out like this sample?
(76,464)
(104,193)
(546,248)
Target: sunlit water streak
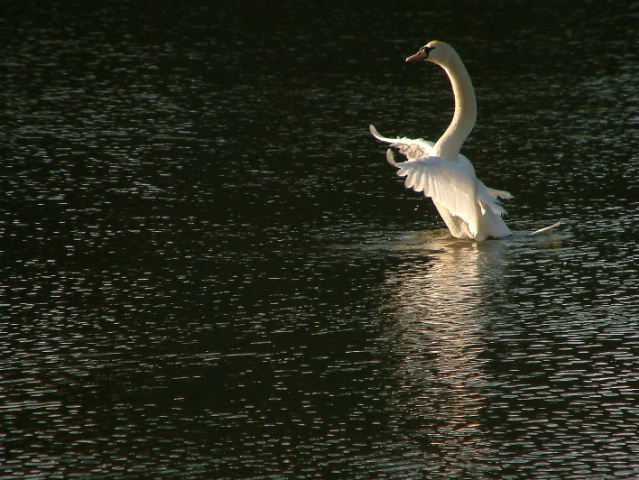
(453,343)
(437,304)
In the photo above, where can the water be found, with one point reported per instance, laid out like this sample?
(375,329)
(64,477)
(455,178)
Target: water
(208,269)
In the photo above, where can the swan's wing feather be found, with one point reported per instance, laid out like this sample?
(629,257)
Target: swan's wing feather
(449,184)
(489,198)
(503,194)
(413,149)
(390,158)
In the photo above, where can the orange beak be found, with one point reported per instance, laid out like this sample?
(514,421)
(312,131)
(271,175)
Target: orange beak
(418,57)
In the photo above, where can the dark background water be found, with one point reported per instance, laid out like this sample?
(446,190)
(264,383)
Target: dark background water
(209,271)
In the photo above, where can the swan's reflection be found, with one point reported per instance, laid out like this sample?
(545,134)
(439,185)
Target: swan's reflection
(439,302)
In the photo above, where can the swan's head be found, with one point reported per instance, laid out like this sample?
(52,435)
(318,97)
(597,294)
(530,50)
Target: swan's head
(436,52)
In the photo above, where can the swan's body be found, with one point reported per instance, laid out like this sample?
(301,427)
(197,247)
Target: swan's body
(469,208)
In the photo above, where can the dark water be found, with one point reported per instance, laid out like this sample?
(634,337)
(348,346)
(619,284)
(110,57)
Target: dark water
(209,271)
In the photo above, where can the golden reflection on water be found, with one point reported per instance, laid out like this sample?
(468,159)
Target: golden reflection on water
(438,300)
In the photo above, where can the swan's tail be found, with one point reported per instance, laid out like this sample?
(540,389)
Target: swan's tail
(545,229)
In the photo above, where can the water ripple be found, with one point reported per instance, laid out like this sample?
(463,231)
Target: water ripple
(209,270)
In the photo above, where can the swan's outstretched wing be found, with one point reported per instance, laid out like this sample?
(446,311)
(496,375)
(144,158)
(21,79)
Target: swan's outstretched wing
(412,149)
(449,184)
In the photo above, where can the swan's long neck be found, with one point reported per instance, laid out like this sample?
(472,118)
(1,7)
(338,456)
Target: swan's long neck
(465,110)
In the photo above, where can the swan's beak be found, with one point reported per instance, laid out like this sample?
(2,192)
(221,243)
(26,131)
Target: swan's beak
(418,57)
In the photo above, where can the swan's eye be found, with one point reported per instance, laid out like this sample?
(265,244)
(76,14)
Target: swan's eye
(426,50)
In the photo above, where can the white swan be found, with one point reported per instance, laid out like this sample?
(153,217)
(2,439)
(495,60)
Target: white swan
(469,208)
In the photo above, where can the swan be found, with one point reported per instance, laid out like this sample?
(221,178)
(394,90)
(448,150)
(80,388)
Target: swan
(469,208)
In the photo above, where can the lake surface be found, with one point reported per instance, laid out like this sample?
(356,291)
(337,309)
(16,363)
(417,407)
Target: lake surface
(209,270)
